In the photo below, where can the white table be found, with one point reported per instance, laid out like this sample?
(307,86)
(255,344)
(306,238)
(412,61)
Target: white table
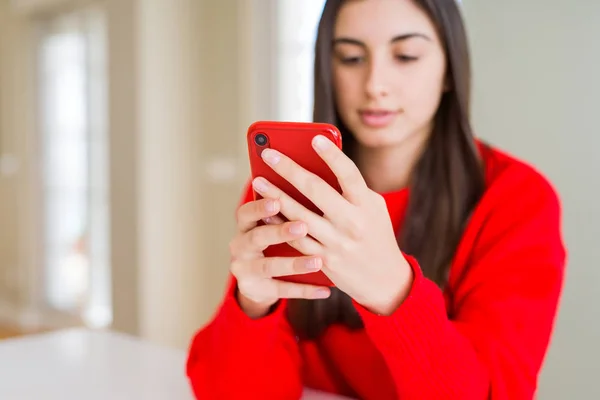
(95,365)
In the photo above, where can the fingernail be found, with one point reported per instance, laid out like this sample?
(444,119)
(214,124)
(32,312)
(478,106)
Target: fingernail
(270,206)
(321,293)
(260,185)
(297,228)
(321,143)
(271,156)
(314,264)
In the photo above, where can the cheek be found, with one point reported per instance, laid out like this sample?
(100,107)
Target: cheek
(423,93)
(347,90)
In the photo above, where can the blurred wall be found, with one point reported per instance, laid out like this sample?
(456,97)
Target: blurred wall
(174,107)
(8,182)
(537,91)
(17,194)
(186,81)
(8,215)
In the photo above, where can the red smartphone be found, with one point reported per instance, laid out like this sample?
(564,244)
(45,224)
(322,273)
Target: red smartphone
(294,139)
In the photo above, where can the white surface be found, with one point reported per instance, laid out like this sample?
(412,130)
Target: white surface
(93,365)
(78,364)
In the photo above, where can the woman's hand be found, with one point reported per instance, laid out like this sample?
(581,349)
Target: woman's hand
(257,291)
(354,238)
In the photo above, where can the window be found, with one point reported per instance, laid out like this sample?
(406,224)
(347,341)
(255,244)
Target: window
(297,23)
(73,135)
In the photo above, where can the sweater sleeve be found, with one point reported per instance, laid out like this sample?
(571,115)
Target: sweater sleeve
(235,356)
(491,339)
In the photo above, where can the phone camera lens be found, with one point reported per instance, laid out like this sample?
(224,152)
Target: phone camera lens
(260,139)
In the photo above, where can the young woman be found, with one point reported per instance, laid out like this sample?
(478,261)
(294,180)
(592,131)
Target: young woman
(446,254)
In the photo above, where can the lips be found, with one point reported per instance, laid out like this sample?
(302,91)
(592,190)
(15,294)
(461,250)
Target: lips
(377,118)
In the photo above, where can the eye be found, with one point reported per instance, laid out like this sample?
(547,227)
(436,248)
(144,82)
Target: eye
(351,60)
(406,59)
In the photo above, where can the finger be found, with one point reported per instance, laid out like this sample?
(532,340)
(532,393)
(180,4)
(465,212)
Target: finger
(307,246)
(276,220)
(325,197)
(318,227)
(289,290)
(349,177)
(271,267)
(261,237)
(250,213)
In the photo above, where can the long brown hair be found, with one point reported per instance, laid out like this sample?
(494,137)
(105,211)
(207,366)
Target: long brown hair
(447,180)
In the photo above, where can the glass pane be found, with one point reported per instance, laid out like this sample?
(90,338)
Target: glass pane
(65,162)
(74,166)
(297,32)
(98,312)
(295,89)
(298,20)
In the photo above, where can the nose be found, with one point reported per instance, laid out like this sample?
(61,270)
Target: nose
(377,82)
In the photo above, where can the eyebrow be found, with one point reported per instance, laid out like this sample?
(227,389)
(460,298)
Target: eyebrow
(395,39)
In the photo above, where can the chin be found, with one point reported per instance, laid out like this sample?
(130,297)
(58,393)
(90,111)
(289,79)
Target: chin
(379,138)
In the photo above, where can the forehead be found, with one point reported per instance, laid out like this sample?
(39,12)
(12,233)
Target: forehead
(374,21)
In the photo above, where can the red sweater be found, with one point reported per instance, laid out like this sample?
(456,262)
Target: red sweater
(484,337)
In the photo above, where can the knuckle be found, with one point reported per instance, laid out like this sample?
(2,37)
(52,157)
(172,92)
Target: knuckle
(236,268)
(266,267)
(337,244)
(239,214)
(332,264)
(347,245)
(326,260)
(284,229)
(311,183)
(282,291)
(299,265)
(295,244)
(300,244)
(296,291)
(258,207)
(378,199)
(256,237)
(289,290)
(306,292)
(236,245)
(353,177)
(261,208)
(355,229)
(356,235)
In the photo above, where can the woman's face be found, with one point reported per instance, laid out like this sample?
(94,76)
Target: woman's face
(389,71)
